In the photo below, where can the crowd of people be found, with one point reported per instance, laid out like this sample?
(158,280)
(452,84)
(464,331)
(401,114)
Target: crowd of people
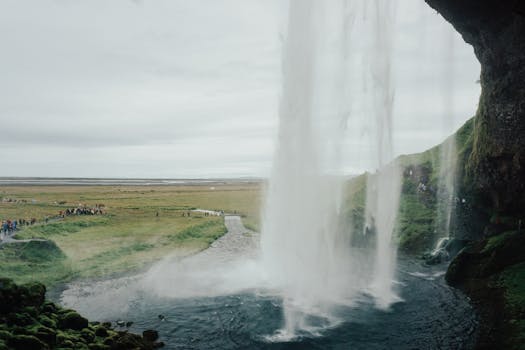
(9,226)
(98,209)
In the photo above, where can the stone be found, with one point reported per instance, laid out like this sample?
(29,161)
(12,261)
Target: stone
(33,294)
(101,331)
(72,320)
(26,342)
(150,335)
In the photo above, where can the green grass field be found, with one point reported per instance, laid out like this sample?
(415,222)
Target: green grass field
(128,237)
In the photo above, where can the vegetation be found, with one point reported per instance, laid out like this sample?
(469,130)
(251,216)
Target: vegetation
(420,215)
(27,321)
(141,224)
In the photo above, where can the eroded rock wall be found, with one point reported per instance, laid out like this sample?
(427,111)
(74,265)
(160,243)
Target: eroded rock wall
(493,174)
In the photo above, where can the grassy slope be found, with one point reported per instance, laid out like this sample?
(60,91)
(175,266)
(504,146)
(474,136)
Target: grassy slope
(129,236)
(418,211)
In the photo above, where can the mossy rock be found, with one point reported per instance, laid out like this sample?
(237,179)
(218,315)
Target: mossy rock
(9,295)
(20,319)
(47,321)
(49,307)
(125,341)
(150,335)
(33,324)
(26,342)
(5,335)
(47,335)
(88,335)
(101,331)
(72,320)
(33,294)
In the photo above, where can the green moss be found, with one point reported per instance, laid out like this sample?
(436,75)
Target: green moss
(416,224)
(46,321)
(496,241)
(513,282)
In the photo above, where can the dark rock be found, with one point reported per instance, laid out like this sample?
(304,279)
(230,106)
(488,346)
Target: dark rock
(98,347)
(46,321)
(67,344)
(158,345)
(455,245)
(5,335)
(33,294)
(129,324)
(9,295)
(106,325)
(494,161)
(88,335)
(47,335)
(150,335)
(437,257)
(20,319)
(49,307)
(26,342)
(125,341)
(72,320)
(101,331)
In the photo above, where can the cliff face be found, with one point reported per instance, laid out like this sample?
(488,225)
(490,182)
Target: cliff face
(491,270)
(494,173)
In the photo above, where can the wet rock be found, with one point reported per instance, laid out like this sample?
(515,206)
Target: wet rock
(150,335)
(125,341)
(454,246)
(158,345)
(437,257)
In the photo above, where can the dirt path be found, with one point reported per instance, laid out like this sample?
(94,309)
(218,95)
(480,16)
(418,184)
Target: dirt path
(8,239)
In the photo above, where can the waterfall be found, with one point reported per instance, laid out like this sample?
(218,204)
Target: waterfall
(305,255)
(446,191)
(383,187)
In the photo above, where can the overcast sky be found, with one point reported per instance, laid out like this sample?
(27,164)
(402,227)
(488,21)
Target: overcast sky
(177,88)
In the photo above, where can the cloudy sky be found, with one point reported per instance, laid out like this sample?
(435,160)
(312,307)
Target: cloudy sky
(177,88)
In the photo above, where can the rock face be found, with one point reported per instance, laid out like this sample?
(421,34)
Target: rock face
(27,321)
(492,273)
(491,270)
(494,172)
